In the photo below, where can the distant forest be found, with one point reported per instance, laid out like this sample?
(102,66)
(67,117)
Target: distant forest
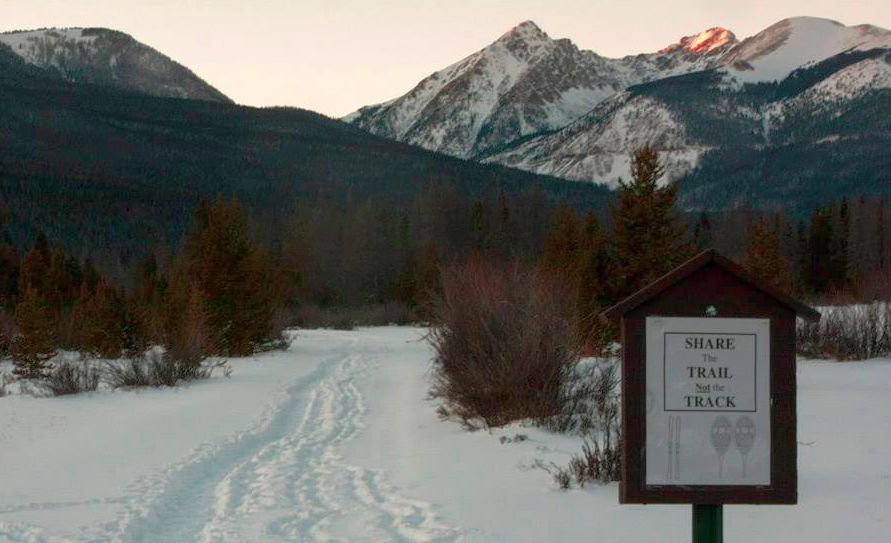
(239,284)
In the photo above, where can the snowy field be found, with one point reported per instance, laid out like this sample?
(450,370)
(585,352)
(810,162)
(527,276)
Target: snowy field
(334,440)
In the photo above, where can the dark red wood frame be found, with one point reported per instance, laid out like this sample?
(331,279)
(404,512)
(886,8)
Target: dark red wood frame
(710,280)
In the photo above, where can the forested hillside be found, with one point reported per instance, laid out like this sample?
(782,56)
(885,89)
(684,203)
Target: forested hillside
(115,175)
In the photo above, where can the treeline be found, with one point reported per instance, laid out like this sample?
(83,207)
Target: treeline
(218,296)
(841,252)
(345,253)
(234,282)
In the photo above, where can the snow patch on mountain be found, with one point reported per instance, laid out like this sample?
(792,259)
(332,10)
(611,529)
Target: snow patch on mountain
(106,57)
(791,44)
(596,147)
(47,47)
(835,95)
(852,82)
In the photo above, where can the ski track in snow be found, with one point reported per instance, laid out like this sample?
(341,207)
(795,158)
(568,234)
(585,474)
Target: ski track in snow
(283,480)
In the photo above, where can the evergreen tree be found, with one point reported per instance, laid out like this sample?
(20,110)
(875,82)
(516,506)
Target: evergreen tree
(649,238)
(234,276)
(297,257)
(561,251)
(702,232)
(190,341)
(592,284)
(880,234)
(840,253)
(33,345)
(36,266)
(9,264)
(103,322)
(427,281)
(764,255)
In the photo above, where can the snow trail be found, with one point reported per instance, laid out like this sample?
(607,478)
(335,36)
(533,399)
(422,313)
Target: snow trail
(283,480)
(287,481)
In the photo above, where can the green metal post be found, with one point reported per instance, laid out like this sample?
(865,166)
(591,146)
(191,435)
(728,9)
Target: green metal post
(708,523)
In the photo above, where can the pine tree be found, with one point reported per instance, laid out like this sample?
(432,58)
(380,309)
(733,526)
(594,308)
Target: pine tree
(841,227)
(427,283)
(702,232)
(649,237)
(36,266)
(296,258)
(234,277)
(880,234)
(9,264)
(190,341)
(592,284)
(33,345)
(562,247)
(103,322)
(764,255)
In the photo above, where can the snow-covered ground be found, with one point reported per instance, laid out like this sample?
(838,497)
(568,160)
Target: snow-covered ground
(335,440)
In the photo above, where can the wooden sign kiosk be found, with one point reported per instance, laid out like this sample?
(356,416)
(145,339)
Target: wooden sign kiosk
(708,391)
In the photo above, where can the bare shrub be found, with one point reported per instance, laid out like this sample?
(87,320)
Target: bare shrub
(69,378)
(505,343)
(156,369)
(854,332)
(562,476)
(130,373)
(594,413)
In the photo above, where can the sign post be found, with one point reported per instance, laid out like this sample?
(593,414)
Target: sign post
(708,523)
(708,391)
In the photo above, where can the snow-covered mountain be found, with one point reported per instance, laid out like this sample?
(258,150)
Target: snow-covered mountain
(803,101)
(806,66)
(777,51)
(107,57)
(525,83)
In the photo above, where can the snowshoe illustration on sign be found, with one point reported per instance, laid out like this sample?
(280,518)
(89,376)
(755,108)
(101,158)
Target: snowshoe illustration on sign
(722,436)
(744,435)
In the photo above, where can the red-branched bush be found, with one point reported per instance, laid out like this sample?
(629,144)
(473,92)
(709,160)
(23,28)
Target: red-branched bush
(505,342)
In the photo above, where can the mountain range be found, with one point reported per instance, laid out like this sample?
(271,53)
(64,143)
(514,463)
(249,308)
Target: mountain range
(787,118)
(113,156)
(97,122)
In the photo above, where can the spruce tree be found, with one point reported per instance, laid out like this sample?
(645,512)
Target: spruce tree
(649,239)
(9,264)
(702,232)
(104,321)
(33,345)
(880,234)
(234,277)
(562,247)
(35,268)
(764,255)
(592,289)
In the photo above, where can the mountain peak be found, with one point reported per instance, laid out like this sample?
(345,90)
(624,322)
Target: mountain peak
(705,42)
(107,57)
(527,30)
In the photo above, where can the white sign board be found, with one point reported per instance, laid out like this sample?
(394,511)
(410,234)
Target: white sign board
(708,401)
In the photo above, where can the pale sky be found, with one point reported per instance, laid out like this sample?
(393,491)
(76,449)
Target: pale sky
(334,56)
